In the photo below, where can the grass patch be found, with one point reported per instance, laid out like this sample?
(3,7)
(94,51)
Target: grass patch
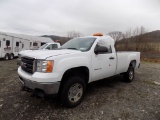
(152,60)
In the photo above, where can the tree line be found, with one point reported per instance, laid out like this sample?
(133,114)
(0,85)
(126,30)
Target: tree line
(134,39)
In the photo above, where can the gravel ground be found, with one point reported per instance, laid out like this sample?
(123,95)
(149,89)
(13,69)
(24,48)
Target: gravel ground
(108,99)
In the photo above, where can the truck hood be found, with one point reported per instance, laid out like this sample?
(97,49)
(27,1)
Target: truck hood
(44,54)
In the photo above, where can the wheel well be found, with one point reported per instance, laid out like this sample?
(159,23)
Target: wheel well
(11,54)
(6,54)
(79,71)
(133,63)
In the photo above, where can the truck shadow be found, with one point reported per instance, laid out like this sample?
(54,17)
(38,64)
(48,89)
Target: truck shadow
(97,92)
(110,82)
(93,89)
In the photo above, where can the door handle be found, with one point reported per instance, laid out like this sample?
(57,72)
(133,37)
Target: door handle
(111,58)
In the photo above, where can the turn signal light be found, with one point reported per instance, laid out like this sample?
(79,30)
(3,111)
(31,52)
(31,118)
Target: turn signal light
(50,65)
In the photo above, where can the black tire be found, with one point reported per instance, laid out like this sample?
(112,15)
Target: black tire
(67,92)
(6,57)
(11,56)
(129,75)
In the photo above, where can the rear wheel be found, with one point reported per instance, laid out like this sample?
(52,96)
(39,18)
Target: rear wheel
(11,56)
(6,57)
(73,91)
(129,75)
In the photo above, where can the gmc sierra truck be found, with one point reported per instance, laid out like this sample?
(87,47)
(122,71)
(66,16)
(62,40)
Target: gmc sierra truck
(47,46)
(67,71)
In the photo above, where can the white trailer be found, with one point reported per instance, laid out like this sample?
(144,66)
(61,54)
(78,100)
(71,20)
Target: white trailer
(11,44)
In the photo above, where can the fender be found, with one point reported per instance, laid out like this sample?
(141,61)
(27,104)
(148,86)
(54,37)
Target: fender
(64,63)
(131,57)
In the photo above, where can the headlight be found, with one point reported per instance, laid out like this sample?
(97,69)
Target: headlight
(45,66)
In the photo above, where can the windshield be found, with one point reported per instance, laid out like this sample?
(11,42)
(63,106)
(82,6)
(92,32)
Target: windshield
(82,44)
(43,46)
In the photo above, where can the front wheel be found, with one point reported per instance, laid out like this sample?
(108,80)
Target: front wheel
(129,75)
(73,91)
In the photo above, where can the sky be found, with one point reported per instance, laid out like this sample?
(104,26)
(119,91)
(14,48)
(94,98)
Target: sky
(58,17)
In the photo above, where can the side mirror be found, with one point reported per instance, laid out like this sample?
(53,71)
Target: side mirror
(100,49)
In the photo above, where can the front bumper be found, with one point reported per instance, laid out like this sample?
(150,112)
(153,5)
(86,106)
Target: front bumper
(47,88)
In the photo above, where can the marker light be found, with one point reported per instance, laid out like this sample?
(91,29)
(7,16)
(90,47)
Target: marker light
(98,34)
(49,66)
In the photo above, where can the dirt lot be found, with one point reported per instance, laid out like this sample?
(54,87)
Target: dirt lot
(108,99)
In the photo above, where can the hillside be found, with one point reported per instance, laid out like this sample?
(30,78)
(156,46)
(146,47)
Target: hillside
(146,43)
(153,36)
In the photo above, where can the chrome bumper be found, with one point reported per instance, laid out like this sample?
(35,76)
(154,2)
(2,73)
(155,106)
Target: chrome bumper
(47,88)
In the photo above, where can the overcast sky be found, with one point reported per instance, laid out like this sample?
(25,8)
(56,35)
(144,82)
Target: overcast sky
(39,17)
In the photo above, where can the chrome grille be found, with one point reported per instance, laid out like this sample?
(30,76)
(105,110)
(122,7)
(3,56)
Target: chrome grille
(27,64)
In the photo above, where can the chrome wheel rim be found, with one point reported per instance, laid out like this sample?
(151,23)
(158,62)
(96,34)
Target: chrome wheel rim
(75,92)
(131,75)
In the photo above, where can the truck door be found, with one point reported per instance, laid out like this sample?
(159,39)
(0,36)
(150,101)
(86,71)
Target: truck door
(103,65)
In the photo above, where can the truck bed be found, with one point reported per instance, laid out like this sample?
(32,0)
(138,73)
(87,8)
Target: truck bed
(124,58)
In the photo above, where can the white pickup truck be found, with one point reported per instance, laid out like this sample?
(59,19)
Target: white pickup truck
(68,70)
(47,46)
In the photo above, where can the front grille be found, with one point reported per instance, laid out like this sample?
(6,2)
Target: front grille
(27,64)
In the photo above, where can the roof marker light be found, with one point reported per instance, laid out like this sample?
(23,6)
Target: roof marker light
(98,34)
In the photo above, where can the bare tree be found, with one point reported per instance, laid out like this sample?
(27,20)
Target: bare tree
(139,36)
(116,35)
(74,34)
(136,41)
(135,37)
(128,36)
